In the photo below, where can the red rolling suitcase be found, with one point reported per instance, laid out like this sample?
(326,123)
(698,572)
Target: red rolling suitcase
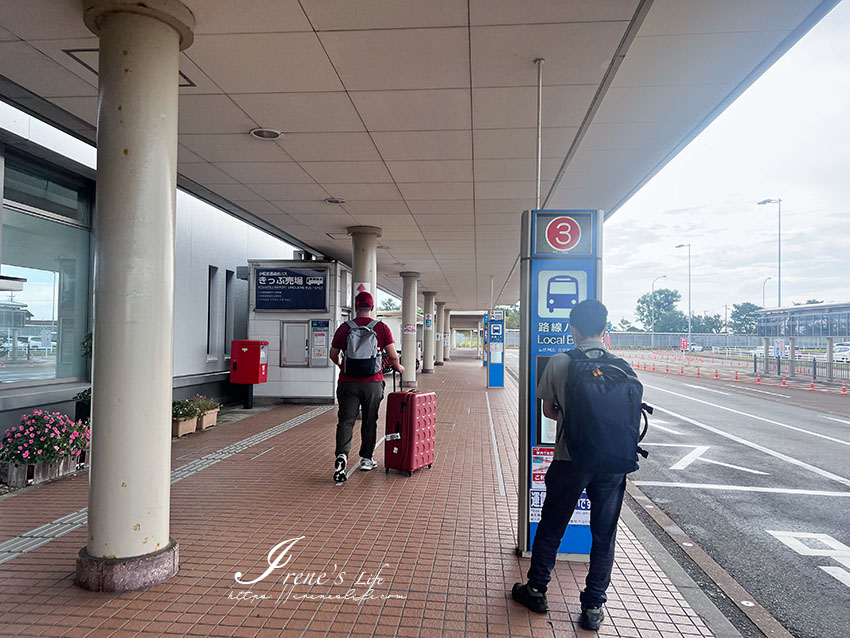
(411,430)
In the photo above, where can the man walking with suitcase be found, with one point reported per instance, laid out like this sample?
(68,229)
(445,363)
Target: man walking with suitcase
(576,468)
(356,348)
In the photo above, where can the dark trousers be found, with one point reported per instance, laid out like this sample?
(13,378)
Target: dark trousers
(564,484)
(354,396)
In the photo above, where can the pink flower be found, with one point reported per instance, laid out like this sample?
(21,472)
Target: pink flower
(39,451)
(26,454)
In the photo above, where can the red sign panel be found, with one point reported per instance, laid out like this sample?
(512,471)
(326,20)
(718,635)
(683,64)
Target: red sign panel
(563,234)
(683,344)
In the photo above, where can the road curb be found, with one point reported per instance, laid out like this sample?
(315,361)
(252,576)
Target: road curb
(758,615)
(715,620)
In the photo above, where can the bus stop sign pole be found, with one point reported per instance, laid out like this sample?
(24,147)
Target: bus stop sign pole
(560,265)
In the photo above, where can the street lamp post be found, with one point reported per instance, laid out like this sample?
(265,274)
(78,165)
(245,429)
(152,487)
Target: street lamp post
(689,290)
(652,310)
(762,290)
(778,202)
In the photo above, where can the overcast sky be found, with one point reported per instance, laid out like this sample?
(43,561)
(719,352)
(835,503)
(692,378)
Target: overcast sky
(787,136)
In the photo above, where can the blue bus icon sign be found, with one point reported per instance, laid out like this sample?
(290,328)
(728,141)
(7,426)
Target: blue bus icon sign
(561,293)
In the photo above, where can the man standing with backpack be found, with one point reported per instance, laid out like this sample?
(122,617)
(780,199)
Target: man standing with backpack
(361,381)
(596,400)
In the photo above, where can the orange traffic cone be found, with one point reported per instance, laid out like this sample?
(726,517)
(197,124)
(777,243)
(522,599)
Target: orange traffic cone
(736,376)
(812,387)
(698,374)
(716,375)
(758,378)
(844,388)
(667,370)
(682,371)
(784,385)
(653,366)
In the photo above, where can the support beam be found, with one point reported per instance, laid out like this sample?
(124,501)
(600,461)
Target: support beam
(364,259)
(408,328)
(129,544)
(429,346)
(440,320)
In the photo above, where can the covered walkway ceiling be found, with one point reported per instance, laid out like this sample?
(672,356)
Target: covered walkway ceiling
(421,114)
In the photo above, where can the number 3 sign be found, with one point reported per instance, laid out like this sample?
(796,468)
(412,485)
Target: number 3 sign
(563,233)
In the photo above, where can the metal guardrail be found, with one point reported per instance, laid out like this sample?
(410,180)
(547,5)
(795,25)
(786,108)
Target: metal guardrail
(813,367)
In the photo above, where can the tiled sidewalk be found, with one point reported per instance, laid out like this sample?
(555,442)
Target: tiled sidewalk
(437,548)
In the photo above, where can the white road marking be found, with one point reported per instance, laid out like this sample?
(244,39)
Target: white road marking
(700,387)
(775,394)
(837,572)
(742,488)
(747,414)
(495,447)
(760,448)
(832,418)
(734,467)
(835,550)
(655,426)
(696,455)
(690,457)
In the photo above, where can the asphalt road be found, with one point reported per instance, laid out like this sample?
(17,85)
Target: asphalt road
(761,481)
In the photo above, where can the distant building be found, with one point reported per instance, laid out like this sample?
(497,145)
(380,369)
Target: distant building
(809,320)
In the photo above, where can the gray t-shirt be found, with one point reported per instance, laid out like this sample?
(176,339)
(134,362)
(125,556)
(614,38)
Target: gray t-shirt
(553,387)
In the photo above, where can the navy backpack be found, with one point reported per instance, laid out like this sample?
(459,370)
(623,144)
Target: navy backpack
(602,422)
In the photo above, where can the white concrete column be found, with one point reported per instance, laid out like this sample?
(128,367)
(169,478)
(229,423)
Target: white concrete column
(439,321)
(364,260)
(408,328)
(428,334)
(447,335)
(478,341)
(130,476)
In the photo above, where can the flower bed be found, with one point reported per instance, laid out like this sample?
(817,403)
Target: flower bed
(207,411)
(44,446)
(184,417)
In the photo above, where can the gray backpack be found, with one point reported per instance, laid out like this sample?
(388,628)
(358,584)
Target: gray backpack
(362,355)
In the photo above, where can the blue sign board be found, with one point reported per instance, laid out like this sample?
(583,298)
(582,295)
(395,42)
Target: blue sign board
(496,350)
(291,289)
(560,267)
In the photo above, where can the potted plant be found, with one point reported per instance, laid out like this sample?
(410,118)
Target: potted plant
(82,406)
(207,411)
(44,446)
(184,415)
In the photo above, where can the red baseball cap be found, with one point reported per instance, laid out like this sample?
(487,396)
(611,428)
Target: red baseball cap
(364,300)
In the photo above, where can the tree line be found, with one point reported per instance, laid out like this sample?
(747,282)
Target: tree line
(741,320)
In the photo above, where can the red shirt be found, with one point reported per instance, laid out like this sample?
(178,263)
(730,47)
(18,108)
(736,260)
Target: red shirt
(385,338)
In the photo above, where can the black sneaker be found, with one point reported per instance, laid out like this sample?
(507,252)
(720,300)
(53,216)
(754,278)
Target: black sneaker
(339,469)
(591,617)
(534,600)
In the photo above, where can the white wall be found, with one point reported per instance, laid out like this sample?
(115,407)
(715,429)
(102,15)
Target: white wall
(207,236)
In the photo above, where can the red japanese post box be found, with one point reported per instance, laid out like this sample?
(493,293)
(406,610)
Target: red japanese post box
(249,361)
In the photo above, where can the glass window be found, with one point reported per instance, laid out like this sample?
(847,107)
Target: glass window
(46,189)
(43,324)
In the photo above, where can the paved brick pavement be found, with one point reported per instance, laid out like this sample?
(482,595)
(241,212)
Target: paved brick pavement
(430,555)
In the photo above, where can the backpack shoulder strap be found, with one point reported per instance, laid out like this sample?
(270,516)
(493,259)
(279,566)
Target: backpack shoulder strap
(352,324)
(372,324)
(576,353)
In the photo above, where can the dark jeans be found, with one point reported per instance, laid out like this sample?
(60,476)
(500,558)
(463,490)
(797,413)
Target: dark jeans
(564,484)
(352,396)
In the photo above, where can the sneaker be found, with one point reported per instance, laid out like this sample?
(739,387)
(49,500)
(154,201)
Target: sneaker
(367,464)
(339,469)
(591,617)
(534,600)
